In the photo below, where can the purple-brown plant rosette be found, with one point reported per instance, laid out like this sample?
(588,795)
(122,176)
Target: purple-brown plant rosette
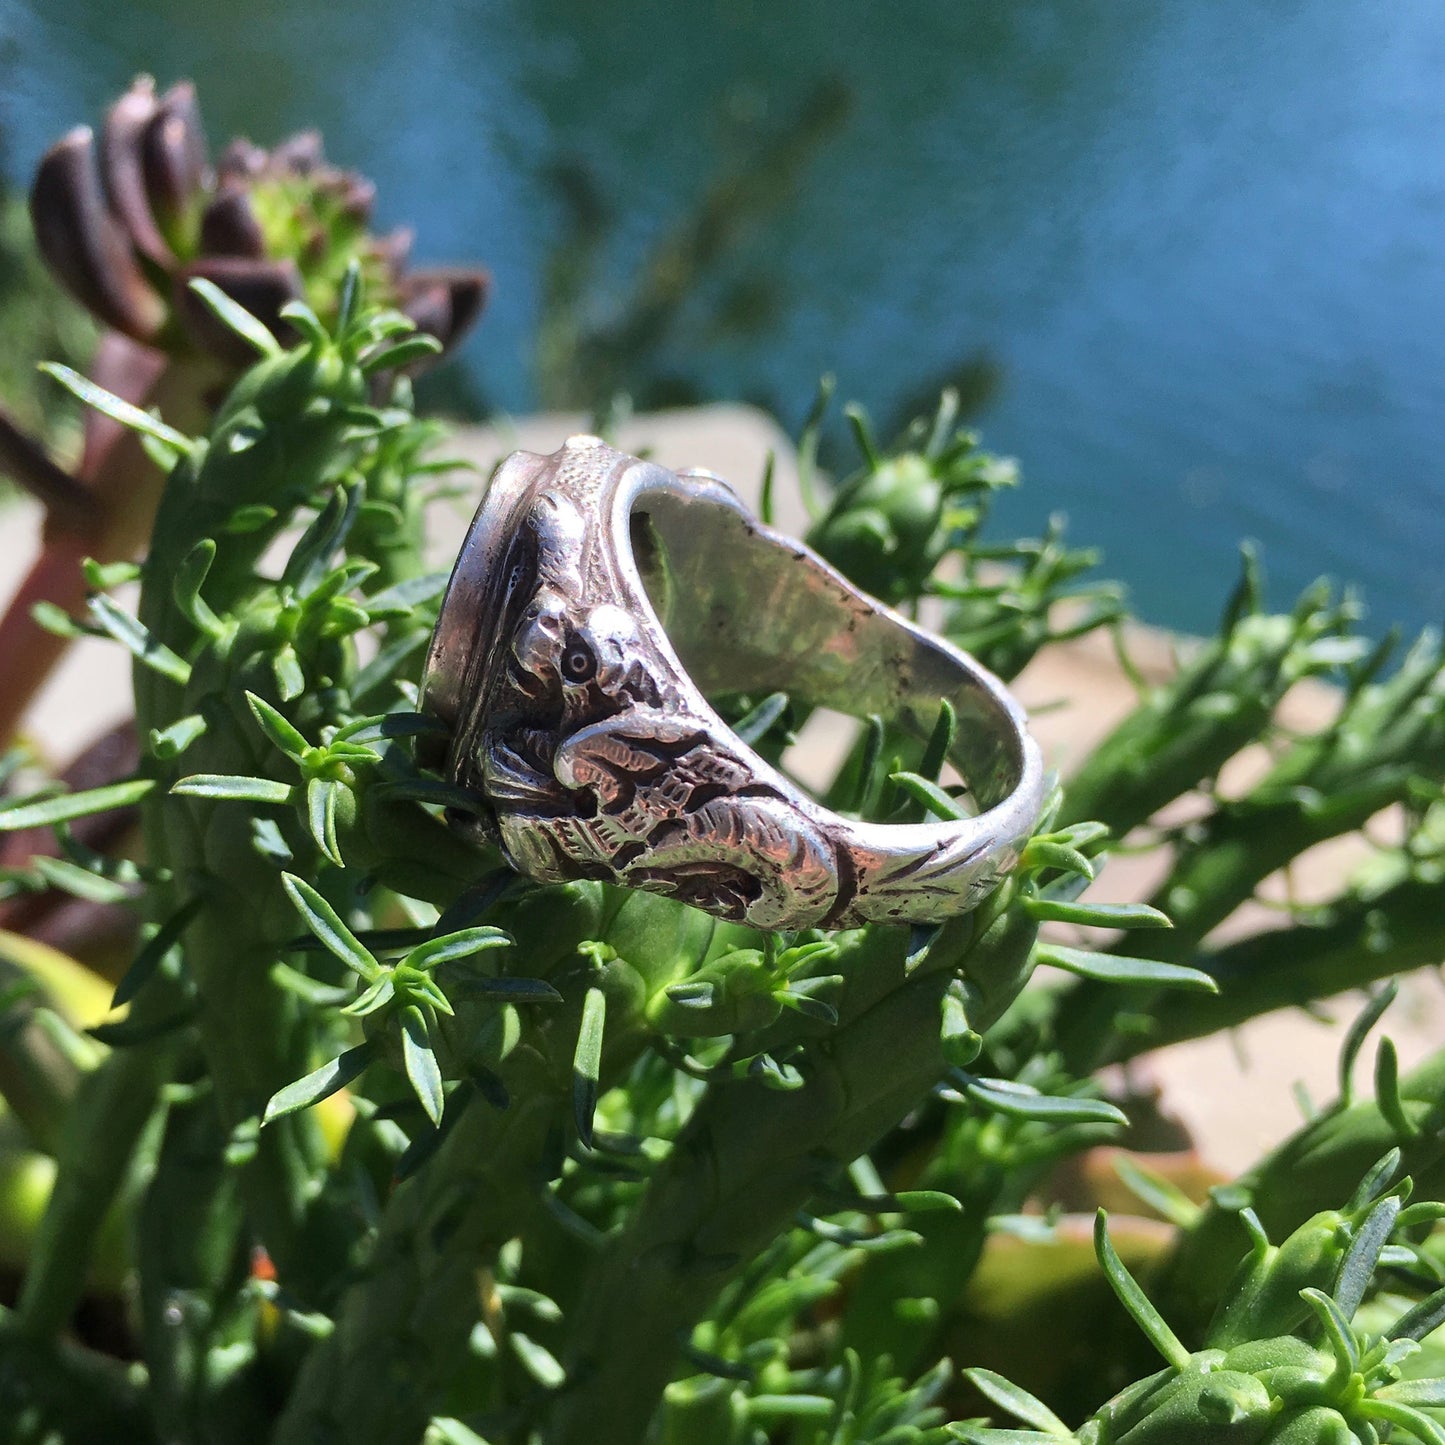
(128,219)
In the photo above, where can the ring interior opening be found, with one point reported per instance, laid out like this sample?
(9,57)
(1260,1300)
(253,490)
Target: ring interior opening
(748,614)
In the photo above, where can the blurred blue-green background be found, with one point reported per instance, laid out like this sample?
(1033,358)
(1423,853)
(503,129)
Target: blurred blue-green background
(1187,261)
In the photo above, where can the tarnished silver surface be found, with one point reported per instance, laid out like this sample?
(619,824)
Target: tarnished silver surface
(577,697)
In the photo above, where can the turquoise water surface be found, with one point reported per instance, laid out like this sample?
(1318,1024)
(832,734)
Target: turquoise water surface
(1188,260)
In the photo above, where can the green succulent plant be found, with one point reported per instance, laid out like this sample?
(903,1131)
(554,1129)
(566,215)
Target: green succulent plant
(383,1143)
(1282,1361)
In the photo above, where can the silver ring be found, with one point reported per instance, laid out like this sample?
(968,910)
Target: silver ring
(576,695)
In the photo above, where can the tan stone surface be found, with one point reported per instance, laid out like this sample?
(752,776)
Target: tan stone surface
(90,691)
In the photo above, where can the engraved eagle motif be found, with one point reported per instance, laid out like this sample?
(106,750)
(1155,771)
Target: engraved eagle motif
(597,765)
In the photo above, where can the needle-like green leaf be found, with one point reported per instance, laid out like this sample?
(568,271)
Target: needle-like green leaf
(1126,1287)
(1097,915)
(1019,1403)
(1336,1324)
(420,1060)
(235,318)
(464,943)
(153,952)
(170,742)
(79,882)
(132,635)
(1425,1429)
(751,727)
(64,807)
(281,732)
(1004,1096)
(1388,1098)
(1424,1319)
(232,787)
(319,1083)
(1110,968)
(587,1062)
(130,417)
(322,795)
(1357,1267)
(321,918)
(402,354)
(940,742)
(934,799)
(1359,1031)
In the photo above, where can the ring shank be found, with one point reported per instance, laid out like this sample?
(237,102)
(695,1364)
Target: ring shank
(750,611)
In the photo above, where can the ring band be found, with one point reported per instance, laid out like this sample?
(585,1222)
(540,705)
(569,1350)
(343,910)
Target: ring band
(576,695)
